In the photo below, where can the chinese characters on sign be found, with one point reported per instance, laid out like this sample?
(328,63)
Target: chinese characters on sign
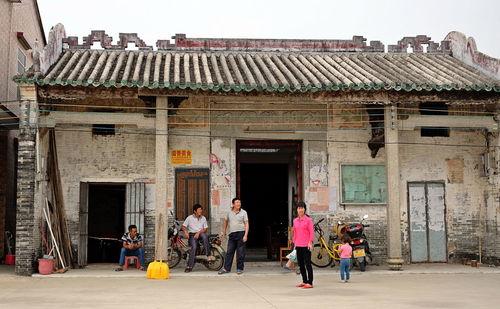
(181,157)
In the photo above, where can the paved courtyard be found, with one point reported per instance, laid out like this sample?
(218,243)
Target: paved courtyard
(261,286)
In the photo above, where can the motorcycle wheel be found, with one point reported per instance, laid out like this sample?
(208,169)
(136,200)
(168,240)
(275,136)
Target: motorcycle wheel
(320,257)
(173,257)
(362,265)
(219,260)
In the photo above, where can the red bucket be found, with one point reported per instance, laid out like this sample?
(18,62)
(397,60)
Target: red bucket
(45,266)
(10,259)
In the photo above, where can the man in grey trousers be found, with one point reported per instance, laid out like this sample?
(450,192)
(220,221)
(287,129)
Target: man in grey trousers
(237,219)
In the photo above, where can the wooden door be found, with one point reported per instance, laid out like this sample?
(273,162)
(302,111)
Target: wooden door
(84,220)
(191,187)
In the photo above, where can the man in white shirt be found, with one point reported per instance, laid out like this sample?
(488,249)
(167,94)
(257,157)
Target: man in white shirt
(237,220)
(195,227)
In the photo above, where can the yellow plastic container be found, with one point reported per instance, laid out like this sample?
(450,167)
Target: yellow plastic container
(158,270)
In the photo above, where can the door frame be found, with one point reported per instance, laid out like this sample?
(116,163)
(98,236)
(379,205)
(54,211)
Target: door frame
(425,183)
(83,208)
(266,144)
(83,224)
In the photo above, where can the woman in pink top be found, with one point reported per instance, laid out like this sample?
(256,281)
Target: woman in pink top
(303,236)
(345,258)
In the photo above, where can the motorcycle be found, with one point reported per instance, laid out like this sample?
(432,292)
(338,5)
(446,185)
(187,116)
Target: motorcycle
(361,254)
(179,249)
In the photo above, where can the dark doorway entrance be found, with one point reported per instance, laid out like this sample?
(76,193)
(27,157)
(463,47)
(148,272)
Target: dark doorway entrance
(265,195)
(268,182)
(8,191)
(106,224)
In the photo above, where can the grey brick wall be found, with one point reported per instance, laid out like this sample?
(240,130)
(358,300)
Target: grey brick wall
(149,236)
(463,238)
(25,247)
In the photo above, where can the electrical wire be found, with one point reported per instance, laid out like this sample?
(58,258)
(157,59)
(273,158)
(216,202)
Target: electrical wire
(212,134)
(442,112)
(326,108)
(273,138)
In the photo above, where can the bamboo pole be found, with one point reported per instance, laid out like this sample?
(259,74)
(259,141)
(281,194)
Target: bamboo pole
(49,224)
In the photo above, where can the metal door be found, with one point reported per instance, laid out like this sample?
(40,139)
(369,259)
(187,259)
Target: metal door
(134,205)
(436,225)
(427,222)
(84,218)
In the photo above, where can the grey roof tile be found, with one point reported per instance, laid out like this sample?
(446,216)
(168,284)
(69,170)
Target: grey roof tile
(262,71)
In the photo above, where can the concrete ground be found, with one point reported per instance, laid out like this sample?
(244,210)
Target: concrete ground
(263,285)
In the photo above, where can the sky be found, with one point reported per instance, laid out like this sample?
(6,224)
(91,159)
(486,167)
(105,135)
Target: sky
(384,20)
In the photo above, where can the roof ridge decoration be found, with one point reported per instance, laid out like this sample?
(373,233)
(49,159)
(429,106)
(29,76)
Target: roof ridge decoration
(45,58)
(106,41)
(464,49)
(357,44)
(417,43)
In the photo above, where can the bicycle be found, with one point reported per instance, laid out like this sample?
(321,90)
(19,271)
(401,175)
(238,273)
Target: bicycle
(322,254)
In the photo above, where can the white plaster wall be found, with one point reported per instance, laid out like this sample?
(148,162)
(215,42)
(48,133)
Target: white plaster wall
(464,200)
(350,146)
(419,163)
(125,158)
(200,147)
(84,157)
(223,176)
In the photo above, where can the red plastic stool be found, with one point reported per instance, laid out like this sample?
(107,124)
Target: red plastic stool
(135,262)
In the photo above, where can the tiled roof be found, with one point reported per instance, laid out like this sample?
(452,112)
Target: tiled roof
(262,71)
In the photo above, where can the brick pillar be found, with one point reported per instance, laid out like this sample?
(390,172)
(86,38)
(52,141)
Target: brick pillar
(394,254)
(26,170)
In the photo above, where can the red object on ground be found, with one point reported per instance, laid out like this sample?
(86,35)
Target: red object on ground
(45,266)
(127,261)
(10,259)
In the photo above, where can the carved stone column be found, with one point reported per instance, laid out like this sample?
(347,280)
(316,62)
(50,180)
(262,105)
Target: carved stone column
(394,256)
(161,161)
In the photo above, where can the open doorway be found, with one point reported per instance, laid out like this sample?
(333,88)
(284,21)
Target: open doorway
(268,183)
(8,191)
(106,224)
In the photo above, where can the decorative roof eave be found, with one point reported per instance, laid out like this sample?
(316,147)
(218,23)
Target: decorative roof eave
(464,49)
(240,88)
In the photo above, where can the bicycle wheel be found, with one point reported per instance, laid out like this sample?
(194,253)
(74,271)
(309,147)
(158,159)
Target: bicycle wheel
(173,257)
(336,251)
(336,254)
(219,260)
(320,256)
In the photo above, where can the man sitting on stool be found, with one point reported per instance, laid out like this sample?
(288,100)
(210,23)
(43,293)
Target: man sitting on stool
(195,227)
(132,246)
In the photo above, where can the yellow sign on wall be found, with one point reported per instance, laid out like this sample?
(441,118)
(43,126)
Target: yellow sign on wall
(182,156)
